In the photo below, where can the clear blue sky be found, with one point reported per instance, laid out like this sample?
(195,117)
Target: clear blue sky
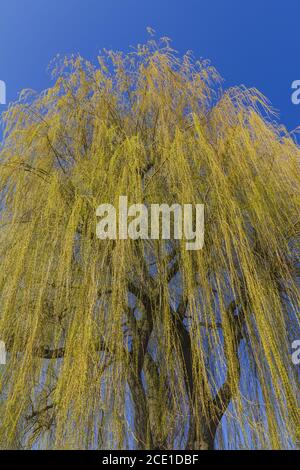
(254,42)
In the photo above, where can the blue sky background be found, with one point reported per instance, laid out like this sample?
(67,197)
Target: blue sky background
(255,42)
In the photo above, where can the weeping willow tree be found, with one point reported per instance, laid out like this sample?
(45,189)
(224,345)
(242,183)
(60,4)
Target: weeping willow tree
(142,343)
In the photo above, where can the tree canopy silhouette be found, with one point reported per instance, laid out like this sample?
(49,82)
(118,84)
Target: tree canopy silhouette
(142,343)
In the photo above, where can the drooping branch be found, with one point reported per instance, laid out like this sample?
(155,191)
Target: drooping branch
(229,388)
(141,332)
(45,352)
